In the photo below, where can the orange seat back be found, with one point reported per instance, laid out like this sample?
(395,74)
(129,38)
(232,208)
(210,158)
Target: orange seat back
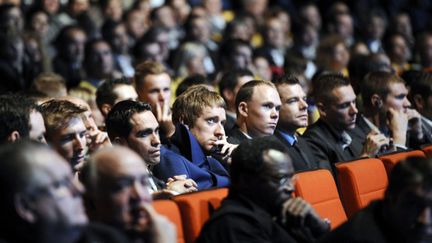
(390,160)
(196,207)
(170,210)
(427,150)
(319,189)
(361,182)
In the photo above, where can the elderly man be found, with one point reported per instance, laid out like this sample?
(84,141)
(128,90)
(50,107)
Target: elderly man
(116,181)
(41,202)
(260,206)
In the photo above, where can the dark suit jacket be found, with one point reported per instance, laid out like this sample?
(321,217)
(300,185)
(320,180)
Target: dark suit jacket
(298,161)
(235,136)
(230,123)
(326,146)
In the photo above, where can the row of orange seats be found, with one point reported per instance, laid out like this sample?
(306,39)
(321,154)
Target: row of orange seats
(360,181)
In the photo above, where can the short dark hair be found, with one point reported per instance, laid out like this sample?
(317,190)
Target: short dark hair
(246,91)
(14,115)
(118,119)
(190,81)
(324,85)
(413,172)
(377,83)
(231,78)
(288,78)
(105,92)
(248,157)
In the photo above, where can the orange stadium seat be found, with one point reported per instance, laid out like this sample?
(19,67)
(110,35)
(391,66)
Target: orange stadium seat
(319,189)
(196,208)
(392,159)
(428,150)
(360,182)
(169,209)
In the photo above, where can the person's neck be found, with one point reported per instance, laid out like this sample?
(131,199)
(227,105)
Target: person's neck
(375,117)
(288,130)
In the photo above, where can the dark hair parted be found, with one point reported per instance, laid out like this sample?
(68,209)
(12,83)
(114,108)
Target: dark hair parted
(118,119)
(324,85)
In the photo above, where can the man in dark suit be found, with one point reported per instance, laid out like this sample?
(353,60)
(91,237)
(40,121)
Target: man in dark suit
(421,97)
(332,138)
(402,216)
(293,115)
(258,106)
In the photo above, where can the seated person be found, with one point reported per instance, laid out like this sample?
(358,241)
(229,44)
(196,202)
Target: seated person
(404,215)
(41,202)
(117,194)
(260,206)
(199,116)
(258,106)
(132,124)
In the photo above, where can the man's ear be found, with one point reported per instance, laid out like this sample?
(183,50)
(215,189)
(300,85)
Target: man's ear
(243,109)
(14,136)
(419,102)
(23,209)
(105,109)
(321,109)
(376,101)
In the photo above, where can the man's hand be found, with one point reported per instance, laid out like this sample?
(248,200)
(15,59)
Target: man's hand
(164,118)
(415,123)
(97,139)
(373,144)
(398,124)
(298,213)
(180,184)
(159,228)
(225,148)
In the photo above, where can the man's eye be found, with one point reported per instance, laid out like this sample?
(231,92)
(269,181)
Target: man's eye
(211,121)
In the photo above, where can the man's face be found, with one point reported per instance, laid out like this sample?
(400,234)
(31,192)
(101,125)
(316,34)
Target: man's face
(293,112)
(101,60)
(70,141)
(411,214)
(262,111)
(125,92)
(242,57)
(122,191)
(75,45)
(120,39)
(156,89)
(37,127)
(208,127)
(277,180)
(56,196)
(144,137)
(397,98)
(342,110)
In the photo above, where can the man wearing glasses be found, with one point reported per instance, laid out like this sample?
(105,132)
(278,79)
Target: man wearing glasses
(260,206)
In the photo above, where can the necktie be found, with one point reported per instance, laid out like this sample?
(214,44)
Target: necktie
(346,140)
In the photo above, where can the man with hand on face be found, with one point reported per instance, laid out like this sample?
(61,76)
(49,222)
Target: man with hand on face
(41,201)
(258,106)
(132,124)
(153,85)
(199,116)
(260,206)
(333,138)
(387,109)
(116,181)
